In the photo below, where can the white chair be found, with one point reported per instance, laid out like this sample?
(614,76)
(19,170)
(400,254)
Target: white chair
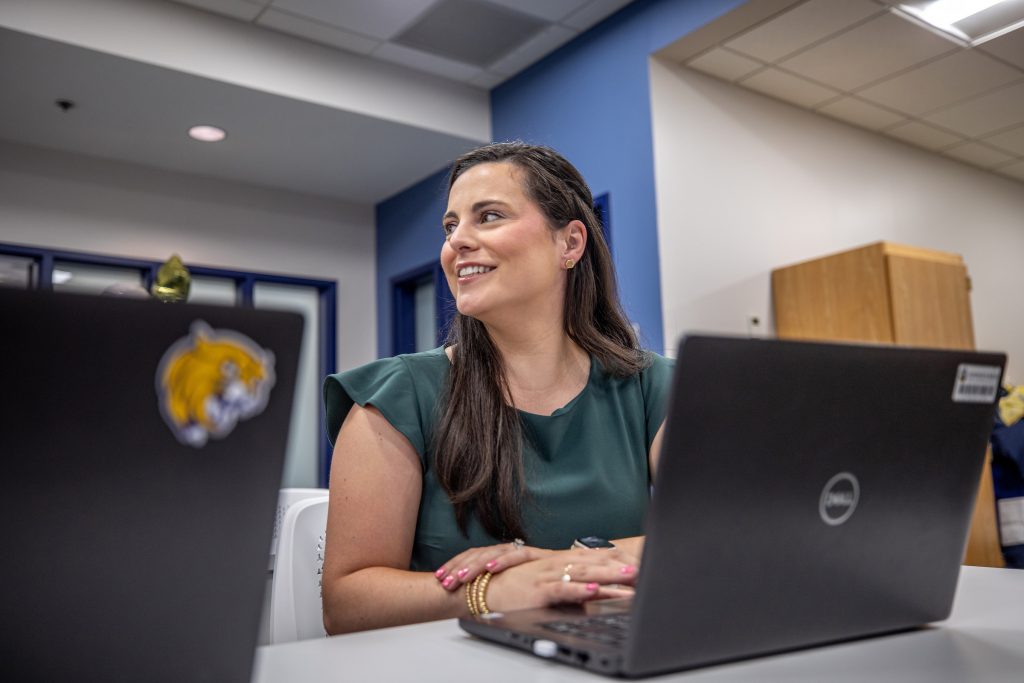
(295,607)
(285,499)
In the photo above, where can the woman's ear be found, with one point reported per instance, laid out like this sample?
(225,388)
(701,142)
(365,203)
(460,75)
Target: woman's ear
(575,241)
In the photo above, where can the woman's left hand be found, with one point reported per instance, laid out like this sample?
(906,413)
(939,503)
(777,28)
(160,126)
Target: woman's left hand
(564,576)
(469,564)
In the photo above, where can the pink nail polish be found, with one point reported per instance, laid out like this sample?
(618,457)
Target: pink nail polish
(591,587)
(628,569)
(462,572)
(439,573)
(447,582)
(492,564)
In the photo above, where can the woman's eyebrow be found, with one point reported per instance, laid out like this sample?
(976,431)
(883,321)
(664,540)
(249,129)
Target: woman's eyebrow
(476,207)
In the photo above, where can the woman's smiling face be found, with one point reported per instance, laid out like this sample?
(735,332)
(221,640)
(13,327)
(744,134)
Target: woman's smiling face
(500,255)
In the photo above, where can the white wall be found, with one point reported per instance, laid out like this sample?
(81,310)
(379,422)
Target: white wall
(65,201)
(746,184)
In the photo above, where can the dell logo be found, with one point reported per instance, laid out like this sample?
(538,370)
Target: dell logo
(839,499)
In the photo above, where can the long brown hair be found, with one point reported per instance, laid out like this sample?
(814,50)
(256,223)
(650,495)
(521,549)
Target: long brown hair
(479,442)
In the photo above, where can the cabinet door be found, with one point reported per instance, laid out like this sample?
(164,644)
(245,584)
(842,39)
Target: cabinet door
(930,303)
(842,297)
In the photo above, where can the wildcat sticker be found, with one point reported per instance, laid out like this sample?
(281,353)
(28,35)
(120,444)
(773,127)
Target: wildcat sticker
(210,380)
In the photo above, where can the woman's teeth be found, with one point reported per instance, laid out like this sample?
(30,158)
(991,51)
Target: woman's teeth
(474,270)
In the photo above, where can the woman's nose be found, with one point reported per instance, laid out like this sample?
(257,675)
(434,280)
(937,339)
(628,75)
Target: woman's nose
(461,237)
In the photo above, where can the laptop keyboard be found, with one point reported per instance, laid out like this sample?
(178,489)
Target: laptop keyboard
(609,629)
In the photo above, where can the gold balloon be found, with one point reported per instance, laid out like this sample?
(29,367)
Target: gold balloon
(173,281)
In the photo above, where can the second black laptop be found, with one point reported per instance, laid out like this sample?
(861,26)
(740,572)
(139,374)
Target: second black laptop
(807,493)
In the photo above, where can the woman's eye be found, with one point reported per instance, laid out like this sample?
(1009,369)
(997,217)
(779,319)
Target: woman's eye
(448,229)
(489,216)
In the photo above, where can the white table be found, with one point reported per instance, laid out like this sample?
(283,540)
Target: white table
(983,640)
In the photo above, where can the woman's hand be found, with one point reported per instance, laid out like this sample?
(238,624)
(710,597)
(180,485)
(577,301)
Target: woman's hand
(469,564)
(561,577)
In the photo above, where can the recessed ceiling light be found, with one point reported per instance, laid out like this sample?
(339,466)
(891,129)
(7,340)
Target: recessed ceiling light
(968,22)
(207,133)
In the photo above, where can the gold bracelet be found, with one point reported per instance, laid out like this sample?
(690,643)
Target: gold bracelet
(471,589)
(481,592)
(476,593)
(470,602)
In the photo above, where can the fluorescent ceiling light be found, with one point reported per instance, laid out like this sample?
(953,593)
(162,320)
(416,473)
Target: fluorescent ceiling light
(969,22)
(60,277)
(948,12)
(207,133)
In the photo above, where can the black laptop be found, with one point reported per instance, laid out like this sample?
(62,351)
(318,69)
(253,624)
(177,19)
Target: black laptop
(142,447)
(807,493)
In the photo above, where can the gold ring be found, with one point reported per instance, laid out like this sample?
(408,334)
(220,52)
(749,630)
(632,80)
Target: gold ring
(565,574)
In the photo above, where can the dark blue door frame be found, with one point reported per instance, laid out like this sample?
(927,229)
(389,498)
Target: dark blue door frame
(403,306)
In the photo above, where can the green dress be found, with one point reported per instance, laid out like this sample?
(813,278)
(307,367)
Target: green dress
(586,464)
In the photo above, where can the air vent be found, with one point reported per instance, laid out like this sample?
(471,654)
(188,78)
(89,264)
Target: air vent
(476,33)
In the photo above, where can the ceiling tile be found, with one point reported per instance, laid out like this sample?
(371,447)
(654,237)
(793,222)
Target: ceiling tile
(944,81)
(464,30)
(805,24)
(529,52)
(424,61)
(1011,140)
(788,87)
(923,135)
(313,30)
(875,49)
(593,12)
(1008,47)
(724,64)
(1013,170)
(373,18)
(549,10)
(978,154)
(236,9)
(985,114)
(860,113)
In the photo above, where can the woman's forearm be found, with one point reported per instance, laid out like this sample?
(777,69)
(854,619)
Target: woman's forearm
(377,597)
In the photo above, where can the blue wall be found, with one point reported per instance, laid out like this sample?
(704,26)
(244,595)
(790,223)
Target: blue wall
(590,100)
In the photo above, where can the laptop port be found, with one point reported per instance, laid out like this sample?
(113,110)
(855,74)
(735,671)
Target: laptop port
(582,657)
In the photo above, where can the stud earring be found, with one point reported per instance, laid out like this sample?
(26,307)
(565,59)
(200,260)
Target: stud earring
(569,264)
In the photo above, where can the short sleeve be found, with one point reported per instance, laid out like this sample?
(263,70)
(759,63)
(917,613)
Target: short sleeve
(386,384)
(655,382)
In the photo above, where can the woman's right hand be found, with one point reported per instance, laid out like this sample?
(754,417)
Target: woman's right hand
(473,562)
(593,575)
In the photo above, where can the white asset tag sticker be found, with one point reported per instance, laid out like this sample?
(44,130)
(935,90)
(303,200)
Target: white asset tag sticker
(976,383)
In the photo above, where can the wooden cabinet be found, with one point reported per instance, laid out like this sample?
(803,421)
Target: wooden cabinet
(888,293)
(879,293)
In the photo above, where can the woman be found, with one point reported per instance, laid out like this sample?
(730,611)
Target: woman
(539,421)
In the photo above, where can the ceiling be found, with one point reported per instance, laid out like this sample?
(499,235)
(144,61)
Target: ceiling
(849,59)
(450,38)
(859,62)
(134,106)
(139,113)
